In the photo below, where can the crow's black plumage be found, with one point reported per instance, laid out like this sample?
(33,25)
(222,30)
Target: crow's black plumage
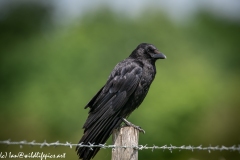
(126,87)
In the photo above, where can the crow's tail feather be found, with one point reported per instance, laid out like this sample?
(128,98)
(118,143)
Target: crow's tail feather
(97,134)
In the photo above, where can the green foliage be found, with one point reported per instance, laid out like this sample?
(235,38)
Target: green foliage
(48,77)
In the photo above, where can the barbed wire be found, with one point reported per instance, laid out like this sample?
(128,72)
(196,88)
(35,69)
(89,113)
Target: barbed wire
(139,147)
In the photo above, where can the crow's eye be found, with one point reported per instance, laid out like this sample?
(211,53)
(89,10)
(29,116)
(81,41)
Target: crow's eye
(149,50)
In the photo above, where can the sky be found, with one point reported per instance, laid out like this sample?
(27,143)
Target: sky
(175,9)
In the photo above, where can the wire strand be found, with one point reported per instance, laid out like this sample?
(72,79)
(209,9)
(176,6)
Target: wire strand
(139,147)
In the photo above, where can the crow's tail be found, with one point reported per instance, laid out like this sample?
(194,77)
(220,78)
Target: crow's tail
(98,133)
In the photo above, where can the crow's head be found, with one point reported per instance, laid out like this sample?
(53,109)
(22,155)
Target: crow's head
(147,51)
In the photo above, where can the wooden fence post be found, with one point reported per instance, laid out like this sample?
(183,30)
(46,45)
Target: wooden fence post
(125,136)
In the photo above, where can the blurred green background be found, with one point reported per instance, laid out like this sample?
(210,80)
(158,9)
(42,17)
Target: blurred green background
(50,69)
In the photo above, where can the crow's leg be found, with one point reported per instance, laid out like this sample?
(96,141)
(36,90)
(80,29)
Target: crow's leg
(132,125)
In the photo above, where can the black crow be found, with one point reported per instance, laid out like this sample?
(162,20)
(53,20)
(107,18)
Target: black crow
(126,87)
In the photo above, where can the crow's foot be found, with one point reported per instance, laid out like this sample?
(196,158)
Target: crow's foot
(133,125)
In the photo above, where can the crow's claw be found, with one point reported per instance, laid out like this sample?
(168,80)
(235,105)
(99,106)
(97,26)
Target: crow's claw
(133,125)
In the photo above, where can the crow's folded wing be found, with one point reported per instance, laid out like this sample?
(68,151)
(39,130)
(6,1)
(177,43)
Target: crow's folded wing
(112,97)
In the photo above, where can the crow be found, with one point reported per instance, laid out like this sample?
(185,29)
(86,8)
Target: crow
(124,91)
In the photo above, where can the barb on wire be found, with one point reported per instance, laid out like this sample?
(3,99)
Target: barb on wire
(139,147)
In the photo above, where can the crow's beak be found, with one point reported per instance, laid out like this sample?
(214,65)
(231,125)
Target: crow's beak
(159,55)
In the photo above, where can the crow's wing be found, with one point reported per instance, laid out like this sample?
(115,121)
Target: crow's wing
(122,82)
